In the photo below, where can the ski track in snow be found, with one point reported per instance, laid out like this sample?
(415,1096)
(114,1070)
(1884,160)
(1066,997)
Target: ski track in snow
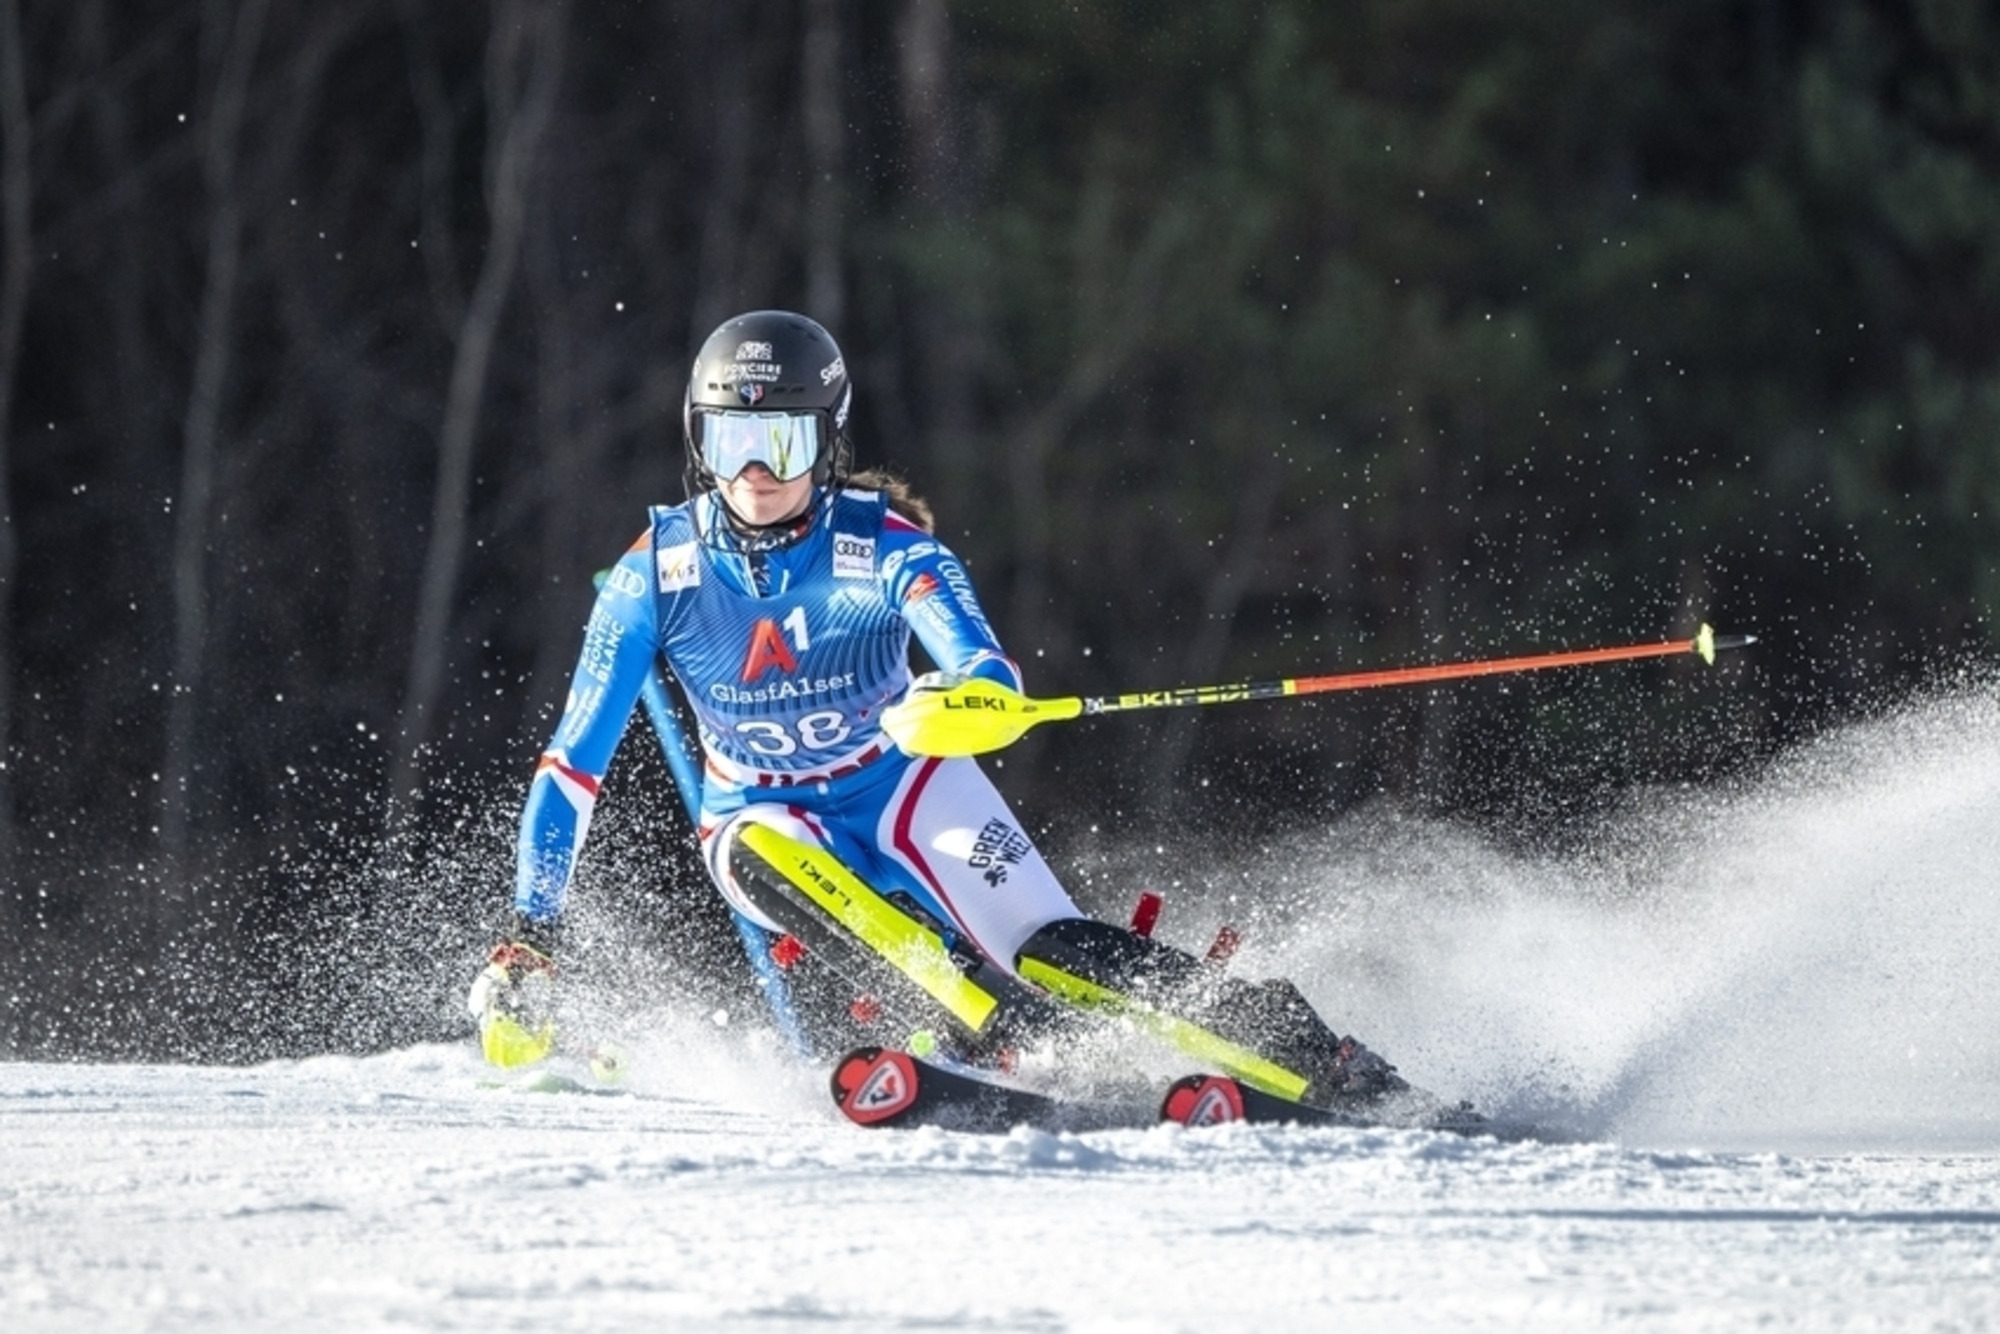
(1787,1072)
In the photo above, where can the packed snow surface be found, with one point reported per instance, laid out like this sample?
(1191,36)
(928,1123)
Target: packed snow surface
(391,1193)
(1760,1024)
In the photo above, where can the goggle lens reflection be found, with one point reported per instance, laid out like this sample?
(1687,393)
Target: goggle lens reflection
(785,442)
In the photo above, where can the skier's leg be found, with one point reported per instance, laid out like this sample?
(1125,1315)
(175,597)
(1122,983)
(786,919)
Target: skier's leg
(807,1014)
(946,833)
(792,871)
(719,834)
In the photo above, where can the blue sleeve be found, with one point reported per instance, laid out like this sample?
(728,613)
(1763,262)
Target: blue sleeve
(620,642)
(923,578)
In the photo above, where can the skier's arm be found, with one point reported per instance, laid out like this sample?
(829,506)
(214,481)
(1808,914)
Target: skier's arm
(619,645)
(930,586)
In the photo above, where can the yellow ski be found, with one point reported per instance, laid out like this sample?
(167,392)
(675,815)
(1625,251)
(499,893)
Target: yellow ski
(912,948)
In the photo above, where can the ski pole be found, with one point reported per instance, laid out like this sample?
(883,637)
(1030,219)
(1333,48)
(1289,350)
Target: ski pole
(977,716)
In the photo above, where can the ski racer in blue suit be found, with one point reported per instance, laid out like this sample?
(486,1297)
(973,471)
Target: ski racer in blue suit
(782,596)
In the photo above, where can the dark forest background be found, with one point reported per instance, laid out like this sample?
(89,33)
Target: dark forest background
(341,343)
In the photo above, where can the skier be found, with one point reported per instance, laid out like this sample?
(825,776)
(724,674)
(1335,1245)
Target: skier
(781,595)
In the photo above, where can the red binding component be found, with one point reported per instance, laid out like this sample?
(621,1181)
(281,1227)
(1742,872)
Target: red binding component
(1145,913)
(516,957)
(865,1009)
(1224,948)
(787,950)
(873,1085)
(1203,1100)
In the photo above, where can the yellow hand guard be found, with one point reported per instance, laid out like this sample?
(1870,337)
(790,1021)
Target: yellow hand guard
(970,717)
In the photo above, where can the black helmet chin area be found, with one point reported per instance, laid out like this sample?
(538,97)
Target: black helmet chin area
(724,530)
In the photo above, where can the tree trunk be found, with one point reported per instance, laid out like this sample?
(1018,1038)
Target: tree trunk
(440,123)
(729,69)
(524,67)
(942,347)
(1208,650)
(928,105)
(1118,289)
(16,272)
(203,423)
(826,133)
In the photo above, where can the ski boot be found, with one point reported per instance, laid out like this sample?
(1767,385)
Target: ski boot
(1263,1033)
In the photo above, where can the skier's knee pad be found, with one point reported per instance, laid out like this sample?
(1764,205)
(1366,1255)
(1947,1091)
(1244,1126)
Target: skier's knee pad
(741,884)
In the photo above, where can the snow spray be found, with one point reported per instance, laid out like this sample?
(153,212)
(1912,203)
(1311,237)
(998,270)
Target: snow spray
(1804,960)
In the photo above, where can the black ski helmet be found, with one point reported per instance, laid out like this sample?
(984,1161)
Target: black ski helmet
(770,361)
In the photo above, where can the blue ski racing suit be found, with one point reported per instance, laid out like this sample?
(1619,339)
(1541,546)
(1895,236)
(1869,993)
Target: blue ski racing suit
(787,657)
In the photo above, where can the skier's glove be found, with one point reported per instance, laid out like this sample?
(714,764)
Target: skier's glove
(514,977)
(512,998)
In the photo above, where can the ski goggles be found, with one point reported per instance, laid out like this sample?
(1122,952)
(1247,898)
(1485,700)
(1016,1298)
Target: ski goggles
(788,443)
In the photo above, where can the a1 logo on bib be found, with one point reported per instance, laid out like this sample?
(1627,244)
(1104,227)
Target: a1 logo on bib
(768,651)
